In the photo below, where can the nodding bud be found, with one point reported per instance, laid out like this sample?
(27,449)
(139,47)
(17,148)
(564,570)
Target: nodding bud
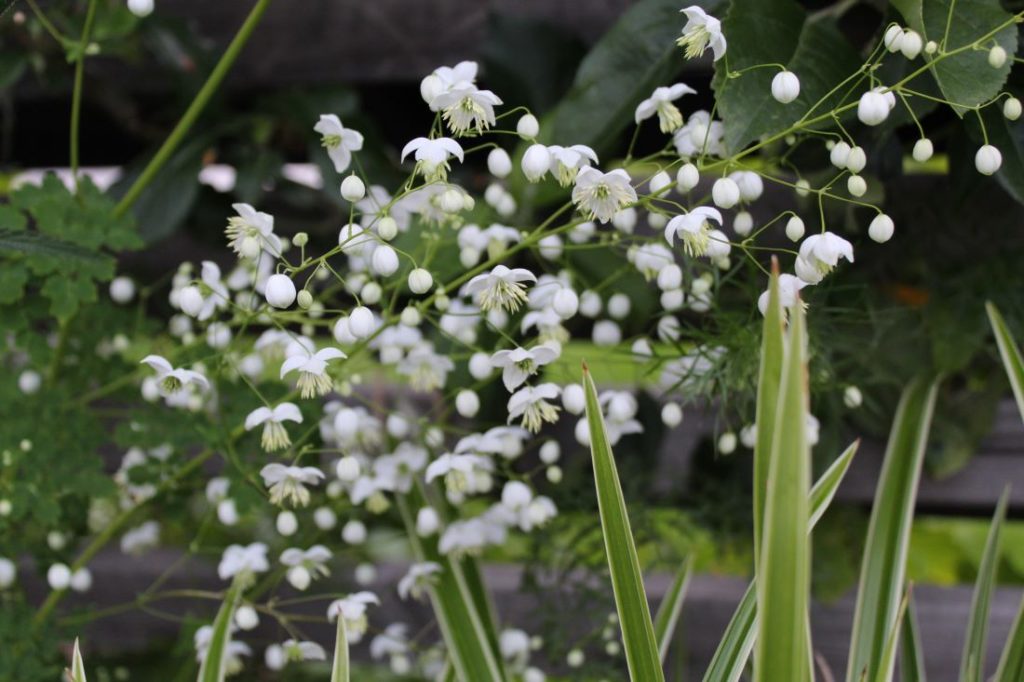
(280,291)
(420,281)
(785,87)
(536,162)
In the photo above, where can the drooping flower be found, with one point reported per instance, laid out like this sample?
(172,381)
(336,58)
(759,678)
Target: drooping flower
(789,292)
(239,560)
(694,228)
(172,379)
(458,470)
(466,107)
(252,232)
(312,367)
(566,162)
(232,656)
(700,32)
(416,580)
(353,609)
(444,79)
(531,403)
(432,156)
(518,364)
(274,437)
(338,140)
(819,254)
(661,103)
(289,482)
(306,564)
(426,368)
(599,196)
(293,651)
(500,289)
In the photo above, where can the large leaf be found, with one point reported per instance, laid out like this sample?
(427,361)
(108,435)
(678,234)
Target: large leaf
(769,379)
(1013,361)
(667,617)
(462,626)
(340,667)
(30,243)
(911,654)
(737,642)
(1011,663)
(965,78)
(972,663)
(214,666)
(784,568)
(637,55)
(885,550)
(812,48)
(638,637)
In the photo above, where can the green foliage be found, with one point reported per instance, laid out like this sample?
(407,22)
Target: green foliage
(56,238)
(811,47)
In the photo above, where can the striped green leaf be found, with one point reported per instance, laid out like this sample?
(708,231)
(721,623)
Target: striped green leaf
(638,638)
(1010,352)
(885,550)
(1011,662)
(769,379)
(667,616)
(77,672)
(462,626)
(784,569)
(734,649)
(214,666)
(340,668)
(885,670)
(911,654)
(972,663)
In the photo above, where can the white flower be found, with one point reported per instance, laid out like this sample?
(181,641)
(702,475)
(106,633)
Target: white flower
(695,229)
(466,107)
(338,140)
(789,293)
(701,135)
(289,482)
(531,403)
(304,565)
(700,32)
(417,579)
(312,367)
(819,254)
(239,560)
(393,642)
(536,162)
(444,79)
(432,156)
(142,537)
(353,609)
(500,288)
(472,535)
(600,195)
(275,437)
(295,651)
(427,370)
(235,649)
(172,379)
(518,364)
(252,232)
(566,162)
(459,471)
(660,103)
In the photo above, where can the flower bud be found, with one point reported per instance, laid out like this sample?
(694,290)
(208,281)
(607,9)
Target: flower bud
(852,397)
(606,333)
(190,300)
(140,8)
(725,193)
(566,303)
(785,87)
(29,381)
(347,469)
(672,299)
(873,108)
(672,415)
(573,399)
(354,533)
(660,181)
(360,322)
(997,57)
(299,577)
(498,163)
(840,154)
(122,290)
(527,126)
(427,522)
(325,518)
(743,223)
(352,188)
(893,38)
(911,44)
(1012,108)
(246,617)
(410,316)
(881,228)
(467,403)
(727,443)
(988,160)
(387,228)
(280,291)
(590,303)
(420,281)
(287,523)
(550,247)
(670,277)
(536,162)
(8,573)
(58,576)
(923,150)
(384,260)
(618,306)
(300,239)
(856,185)
(856,160)
(304,299)
(81,580)
(687,178)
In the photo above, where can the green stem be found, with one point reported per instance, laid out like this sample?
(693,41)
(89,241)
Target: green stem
(76,95)
(195,109)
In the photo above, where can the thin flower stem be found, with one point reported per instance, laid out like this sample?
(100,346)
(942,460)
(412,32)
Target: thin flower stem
(195,109)
(47,24)
(76,94)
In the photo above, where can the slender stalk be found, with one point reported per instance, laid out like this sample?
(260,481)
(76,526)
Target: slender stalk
(76,94)
(195,109)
